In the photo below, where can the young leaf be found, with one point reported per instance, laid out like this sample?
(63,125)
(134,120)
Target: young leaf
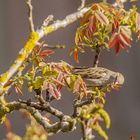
(7,124)
(92,24)
(100,131)
(105,116)
(114,40)
(54,91)
(101,17)
(125,35)
(75,54)
(46,53)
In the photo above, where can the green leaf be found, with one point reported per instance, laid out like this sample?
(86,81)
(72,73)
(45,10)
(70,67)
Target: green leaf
(70,81)
(38,82)
(105,116)
(100,131)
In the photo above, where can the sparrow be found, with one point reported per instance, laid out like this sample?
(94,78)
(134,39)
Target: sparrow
(98,76)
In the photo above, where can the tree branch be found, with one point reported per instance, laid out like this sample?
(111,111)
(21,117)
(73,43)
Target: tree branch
(44,107)
(30,13)
(66,124)
(97,56)
(82,4)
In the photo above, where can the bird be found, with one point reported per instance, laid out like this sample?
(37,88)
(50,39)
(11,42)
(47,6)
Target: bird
(98,76)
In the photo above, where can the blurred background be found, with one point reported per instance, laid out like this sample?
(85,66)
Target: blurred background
(123,106)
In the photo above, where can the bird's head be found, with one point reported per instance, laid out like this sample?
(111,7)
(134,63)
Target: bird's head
(119,79)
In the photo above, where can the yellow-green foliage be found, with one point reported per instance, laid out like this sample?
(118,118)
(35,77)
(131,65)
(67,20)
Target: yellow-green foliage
(96,113)
(105,116)
(71,80)
(100,131)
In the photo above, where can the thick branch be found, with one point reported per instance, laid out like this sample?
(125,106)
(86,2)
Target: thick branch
(44,107)
(62,23)
(65,125)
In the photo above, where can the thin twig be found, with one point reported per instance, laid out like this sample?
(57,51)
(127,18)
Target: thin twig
(82,103)
(39,96)
(51,46)
(30,15)
(97,56)
(62,23)
(82,4)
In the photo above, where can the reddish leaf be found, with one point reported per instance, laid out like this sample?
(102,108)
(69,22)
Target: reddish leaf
(119,41)
(123,46)
(46,53)
(94,7)
(85,17)
(18,89)
(114,40)
(75,54)
(7,124)
(92,24)
(89,34)
(83,86)
(117,18)
(125,39)
(54,92)
(58,82)
(115,24)
(57,93)
(138,36)
(76,87)
(59,87)
(60,76)
(117,48)
(8,83)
